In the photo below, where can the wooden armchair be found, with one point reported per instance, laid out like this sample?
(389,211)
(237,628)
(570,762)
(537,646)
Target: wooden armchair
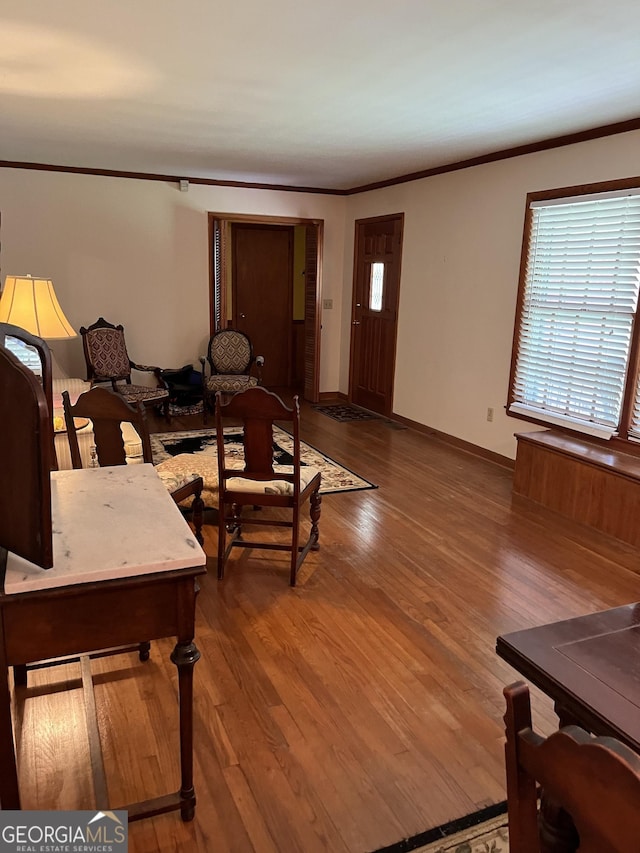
(230,357)
(107,410)
(594,781)
(261,484)
(105,353)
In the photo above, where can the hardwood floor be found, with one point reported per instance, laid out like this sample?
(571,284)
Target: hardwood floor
(361,707)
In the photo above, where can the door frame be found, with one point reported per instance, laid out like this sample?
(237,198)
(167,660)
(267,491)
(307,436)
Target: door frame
(356,249)
(219,229)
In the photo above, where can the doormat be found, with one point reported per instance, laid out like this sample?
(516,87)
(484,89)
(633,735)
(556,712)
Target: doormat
(484,831)
(198,452)
(346,412)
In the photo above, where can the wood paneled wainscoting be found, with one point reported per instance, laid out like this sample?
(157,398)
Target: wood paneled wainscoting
(582,480)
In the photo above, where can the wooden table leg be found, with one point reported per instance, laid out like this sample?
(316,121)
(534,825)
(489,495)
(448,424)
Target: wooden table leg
(184,656)
(9,790)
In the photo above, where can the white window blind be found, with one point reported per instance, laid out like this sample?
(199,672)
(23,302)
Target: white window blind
(577,313)
(24,353)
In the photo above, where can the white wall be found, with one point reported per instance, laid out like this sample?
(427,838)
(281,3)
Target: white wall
(461,257)
(136,252)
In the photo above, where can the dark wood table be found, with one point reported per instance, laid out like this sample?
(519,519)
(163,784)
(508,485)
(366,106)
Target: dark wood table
(590,667)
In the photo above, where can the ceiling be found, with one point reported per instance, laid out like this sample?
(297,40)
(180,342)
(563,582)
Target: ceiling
(332,94)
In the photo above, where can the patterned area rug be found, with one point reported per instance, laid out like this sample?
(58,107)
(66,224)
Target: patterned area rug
(202,443)
(489,837)
(485,831)
(345,412)
(176,410)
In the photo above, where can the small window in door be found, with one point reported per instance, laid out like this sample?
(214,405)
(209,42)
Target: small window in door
(376,286)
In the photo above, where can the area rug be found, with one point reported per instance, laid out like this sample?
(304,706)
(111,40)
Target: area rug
(176,410)
(484,831)
(345,412)
(335,477)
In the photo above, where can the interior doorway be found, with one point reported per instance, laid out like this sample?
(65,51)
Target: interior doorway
(265,281)
(374,316)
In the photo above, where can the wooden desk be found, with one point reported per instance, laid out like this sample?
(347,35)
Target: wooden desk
(125,563)
(590,667)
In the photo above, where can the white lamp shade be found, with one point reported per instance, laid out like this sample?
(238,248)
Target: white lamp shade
(32,304)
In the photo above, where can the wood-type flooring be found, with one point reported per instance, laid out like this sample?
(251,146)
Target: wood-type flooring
(359,708)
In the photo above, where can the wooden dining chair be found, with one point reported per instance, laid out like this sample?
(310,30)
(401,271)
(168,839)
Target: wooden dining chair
(260,484)
(107,411)
(594,781)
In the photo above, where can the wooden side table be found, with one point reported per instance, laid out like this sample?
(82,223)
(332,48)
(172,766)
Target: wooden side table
(125,568)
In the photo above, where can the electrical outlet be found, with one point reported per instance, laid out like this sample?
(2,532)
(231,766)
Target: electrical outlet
(490,414)
(327,303)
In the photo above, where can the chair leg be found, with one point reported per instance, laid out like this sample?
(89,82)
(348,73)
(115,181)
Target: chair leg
(314,511)
(295,537)
(197,510)
(233,526)
(222,540)
(208,404)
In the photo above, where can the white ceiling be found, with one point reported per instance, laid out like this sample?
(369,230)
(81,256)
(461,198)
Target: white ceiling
(332,93)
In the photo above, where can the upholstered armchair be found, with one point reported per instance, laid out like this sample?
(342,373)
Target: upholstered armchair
(105,353)
(231,360)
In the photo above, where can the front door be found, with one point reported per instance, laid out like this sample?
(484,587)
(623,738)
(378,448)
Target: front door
(374,317)
(262,282)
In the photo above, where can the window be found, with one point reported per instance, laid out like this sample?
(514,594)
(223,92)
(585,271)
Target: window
(376,286)
(574,357)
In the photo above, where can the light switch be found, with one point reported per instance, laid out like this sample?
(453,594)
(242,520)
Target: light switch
(327,303)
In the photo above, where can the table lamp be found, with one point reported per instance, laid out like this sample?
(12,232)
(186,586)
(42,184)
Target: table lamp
(32,304)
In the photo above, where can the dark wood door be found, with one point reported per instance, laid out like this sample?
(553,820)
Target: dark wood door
(378,250)
(311,314)
(262,281)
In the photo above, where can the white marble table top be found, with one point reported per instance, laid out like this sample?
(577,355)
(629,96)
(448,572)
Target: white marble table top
(109,523)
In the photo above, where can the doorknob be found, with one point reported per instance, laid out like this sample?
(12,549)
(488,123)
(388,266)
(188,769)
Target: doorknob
(243,316)
(356,323)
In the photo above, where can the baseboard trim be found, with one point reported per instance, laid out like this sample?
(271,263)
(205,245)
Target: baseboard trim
(458,443)
(333,397)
